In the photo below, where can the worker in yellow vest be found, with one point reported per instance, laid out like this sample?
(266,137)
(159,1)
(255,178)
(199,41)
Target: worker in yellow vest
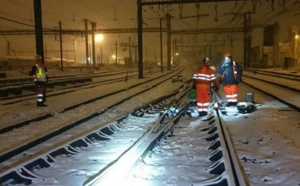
(40,78)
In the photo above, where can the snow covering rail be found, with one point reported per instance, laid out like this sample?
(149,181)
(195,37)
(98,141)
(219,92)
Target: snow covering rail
(274,83)
(115,173)
(8,128)
(20,172)
(284,75)
(18,89)
(281,99)
(7,154)
(226,166)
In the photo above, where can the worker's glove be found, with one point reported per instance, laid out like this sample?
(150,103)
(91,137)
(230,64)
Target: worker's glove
(34,78)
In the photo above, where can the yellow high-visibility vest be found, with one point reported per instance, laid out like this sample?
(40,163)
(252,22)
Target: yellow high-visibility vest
(40,73)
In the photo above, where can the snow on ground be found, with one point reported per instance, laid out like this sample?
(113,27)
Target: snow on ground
(267,140)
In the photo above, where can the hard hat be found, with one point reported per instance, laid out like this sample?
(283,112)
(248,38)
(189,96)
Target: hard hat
(205,60)
(227,54)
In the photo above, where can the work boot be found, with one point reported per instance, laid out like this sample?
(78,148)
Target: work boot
(41,104)
(202,113)
(228,104)
(233,104)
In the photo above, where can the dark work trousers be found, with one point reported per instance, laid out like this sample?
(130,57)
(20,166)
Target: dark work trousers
(41,93)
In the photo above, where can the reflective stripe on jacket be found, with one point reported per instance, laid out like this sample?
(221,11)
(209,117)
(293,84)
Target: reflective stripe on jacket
(204,75)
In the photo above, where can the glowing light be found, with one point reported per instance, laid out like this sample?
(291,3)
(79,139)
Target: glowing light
(216,105)
(113,56)
(118,173)
(99,37)
(177,54)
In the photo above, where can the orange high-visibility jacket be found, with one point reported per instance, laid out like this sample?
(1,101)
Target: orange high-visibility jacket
(205,75)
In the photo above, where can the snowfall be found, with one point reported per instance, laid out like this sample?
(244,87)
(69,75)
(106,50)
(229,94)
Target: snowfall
(267,140)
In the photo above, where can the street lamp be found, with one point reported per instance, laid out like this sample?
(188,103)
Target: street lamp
(99,38)
(296,46)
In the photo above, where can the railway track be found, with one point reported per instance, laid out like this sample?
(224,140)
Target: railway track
(289,76)
(143,140)
(276,85)
(34,137)
(20,91)
(138,132)
(11,128)
(218,164)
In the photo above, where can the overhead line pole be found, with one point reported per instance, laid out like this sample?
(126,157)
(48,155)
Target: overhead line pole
(93,44)
(161,47)
(38,29)
(61,49)
(168,41)
(140,5)
(140,38)
(86,42)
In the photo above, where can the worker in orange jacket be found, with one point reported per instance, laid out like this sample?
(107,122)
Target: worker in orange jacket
(231,75)
(40,77)
(203,77)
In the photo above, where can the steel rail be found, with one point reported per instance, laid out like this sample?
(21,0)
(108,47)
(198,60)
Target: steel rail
(295,77)
(226,164)
(7,154)
(19,172)
(133,156)
(233,174)
(4,129)
(291,105)
(71,81)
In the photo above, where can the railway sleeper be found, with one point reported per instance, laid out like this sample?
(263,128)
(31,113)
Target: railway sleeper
(30,87)
(222,167)
(5,91)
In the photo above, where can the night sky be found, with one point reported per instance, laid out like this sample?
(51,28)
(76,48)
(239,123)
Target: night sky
(120,14)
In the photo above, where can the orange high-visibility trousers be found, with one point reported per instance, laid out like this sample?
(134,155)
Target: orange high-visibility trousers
(231,93)
(203,97)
